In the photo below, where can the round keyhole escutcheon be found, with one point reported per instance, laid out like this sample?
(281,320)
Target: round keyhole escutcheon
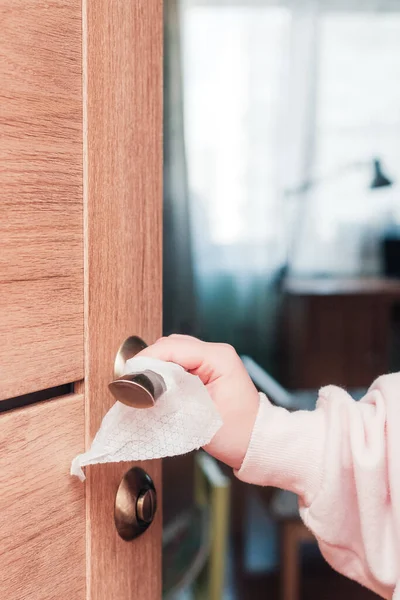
(135,504)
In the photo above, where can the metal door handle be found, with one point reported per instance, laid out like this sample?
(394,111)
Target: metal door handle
(139,390)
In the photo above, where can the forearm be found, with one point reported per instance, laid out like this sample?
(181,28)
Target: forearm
(343,461)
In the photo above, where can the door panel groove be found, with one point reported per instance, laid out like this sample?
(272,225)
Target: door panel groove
(34,397)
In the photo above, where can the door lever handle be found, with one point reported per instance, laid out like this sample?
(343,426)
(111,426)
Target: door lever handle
(138,390)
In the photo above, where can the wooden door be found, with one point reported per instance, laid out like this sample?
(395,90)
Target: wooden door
(80,270)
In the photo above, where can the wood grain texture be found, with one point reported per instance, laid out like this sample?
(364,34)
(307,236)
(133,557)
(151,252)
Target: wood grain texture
(41,229)
(341,339)
(123,194)
(42,508)
(331,286)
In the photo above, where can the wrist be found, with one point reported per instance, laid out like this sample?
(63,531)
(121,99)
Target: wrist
(231,442)
(286,450)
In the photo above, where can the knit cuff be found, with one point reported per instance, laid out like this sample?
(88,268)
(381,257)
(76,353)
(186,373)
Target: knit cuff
(286,450)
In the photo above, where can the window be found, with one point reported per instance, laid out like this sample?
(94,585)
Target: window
(234,66)
(357,119)
(250,102)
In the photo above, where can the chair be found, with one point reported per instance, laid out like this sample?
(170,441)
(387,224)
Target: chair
(281,505)
(195,543)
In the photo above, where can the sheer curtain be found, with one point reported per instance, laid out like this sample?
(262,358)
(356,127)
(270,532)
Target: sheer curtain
(279,93)
(357,118)
(235,60)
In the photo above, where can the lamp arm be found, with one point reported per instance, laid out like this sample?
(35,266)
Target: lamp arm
(308,185)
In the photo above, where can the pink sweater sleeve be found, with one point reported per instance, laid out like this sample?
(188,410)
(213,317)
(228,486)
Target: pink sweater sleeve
(343,461)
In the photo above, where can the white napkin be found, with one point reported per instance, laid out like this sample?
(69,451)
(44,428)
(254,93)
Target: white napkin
(183,419)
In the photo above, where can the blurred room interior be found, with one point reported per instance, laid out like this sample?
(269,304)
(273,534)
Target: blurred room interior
(282,238)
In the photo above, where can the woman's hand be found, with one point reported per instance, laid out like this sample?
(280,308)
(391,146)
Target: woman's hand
(226,379)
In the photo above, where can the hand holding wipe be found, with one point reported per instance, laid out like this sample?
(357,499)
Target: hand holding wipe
(183,419)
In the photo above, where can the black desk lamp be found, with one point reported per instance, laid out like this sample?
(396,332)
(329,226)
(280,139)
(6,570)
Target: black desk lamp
(380,180)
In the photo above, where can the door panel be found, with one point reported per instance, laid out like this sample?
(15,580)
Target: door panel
(123,195)
(41,258)
(80,271)
(42,509)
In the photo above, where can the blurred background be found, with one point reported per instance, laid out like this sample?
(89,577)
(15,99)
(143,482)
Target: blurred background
(282,238)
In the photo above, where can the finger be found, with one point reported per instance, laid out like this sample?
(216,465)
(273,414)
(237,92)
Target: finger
(188,352)
(181,336)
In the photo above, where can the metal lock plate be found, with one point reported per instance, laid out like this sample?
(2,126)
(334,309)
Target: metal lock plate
(135,504)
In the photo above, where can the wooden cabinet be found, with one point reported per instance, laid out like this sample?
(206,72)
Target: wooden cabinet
(337,331)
